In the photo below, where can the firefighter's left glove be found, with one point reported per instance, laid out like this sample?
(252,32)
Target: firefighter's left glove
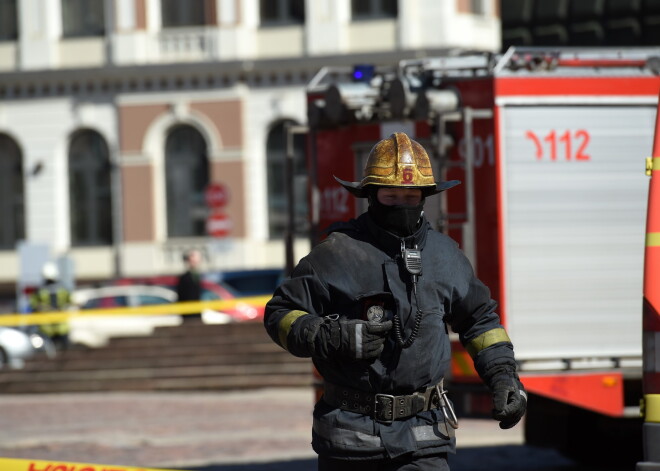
(353,339)
(509,399)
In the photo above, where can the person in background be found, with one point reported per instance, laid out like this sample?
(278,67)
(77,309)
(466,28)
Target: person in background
(52,296)
(189,285)
(372,306)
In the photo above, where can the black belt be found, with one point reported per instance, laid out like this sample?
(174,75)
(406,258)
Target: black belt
(384,407)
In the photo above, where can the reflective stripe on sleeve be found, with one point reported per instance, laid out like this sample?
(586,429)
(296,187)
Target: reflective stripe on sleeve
(487,339)
(284,326)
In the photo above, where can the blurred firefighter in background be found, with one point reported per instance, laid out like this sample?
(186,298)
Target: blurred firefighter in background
(189,283)
(52,296)
(372,304)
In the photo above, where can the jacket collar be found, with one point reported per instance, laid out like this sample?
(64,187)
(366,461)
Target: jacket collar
(391,243)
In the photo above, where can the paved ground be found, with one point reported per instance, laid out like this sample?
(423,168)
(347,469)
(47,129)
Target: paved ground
(175,429)
(263,430)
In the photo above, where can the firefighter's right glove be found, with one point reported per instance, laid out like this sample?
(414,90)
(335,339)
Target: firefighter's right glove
(353,339)
(509,399)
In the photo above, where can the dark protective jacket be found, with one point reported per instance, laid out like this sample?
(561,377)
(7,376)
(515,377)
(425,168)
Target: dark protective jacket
(359,260)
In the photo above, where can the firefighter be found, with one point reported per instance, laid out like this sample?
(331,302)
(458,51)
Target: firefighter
(372,304)
(52,296)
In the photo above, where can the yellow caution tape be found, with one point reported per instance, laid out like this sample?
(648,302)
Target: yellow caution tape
(188,307)
(7,464)
(652,408)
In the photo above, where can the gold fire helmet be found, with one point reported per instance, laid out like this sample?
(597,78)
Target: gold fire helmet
(399,162)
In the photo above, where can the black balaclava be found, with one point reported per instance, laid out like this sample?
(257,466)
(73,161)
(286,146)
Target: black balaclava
(401,220)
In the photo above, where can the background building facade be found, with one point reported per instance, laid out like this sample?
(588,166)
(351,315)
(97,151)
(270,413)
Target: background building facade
(117,115)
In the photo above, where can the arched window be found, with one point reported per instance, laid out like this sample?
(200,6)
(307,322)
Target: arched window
(276,166)
(12,209)
(186,178)
(90,189)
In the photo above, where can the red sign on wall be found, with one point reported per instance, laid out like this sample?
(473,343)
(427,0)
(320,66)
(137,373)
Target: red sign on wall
(216,195)
(218,224)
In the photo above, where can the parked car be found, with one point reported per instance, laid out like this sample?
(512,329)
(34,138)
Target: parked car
(211,291)
(17,345)
(95,331)
(262,281)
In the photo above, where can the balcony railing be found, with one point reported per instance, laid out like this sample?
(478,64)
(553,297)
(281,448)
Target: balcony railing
(189,44)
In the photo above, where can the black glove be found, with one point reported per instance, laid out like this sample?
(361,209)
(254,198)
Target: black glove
(354,339)
(362,340)
(509,399)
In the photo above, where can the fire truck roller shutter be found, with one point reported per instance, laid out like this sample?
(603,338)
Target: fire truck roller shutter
(573,224)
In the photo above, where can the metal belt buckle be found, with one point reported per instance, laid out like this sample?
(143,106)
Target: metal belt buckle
(381,402)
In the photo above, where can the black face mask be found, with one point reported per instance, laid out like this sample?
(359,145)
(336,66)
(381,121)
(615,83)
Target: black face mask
(402,220)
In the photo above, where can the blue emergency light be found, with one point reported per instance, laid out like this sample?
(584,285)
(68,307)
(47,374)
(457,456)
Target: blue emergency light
(363,72)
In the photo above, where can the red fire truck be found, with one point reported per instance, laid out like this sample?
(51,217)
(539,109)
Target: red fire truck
(549,146)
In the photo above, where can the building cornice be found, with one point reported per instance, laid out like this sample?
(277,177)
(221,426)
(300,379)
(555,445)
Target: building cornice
(113,80)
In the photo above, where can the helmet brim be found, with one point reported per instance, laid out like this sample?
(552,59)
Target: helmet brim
(356,188)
